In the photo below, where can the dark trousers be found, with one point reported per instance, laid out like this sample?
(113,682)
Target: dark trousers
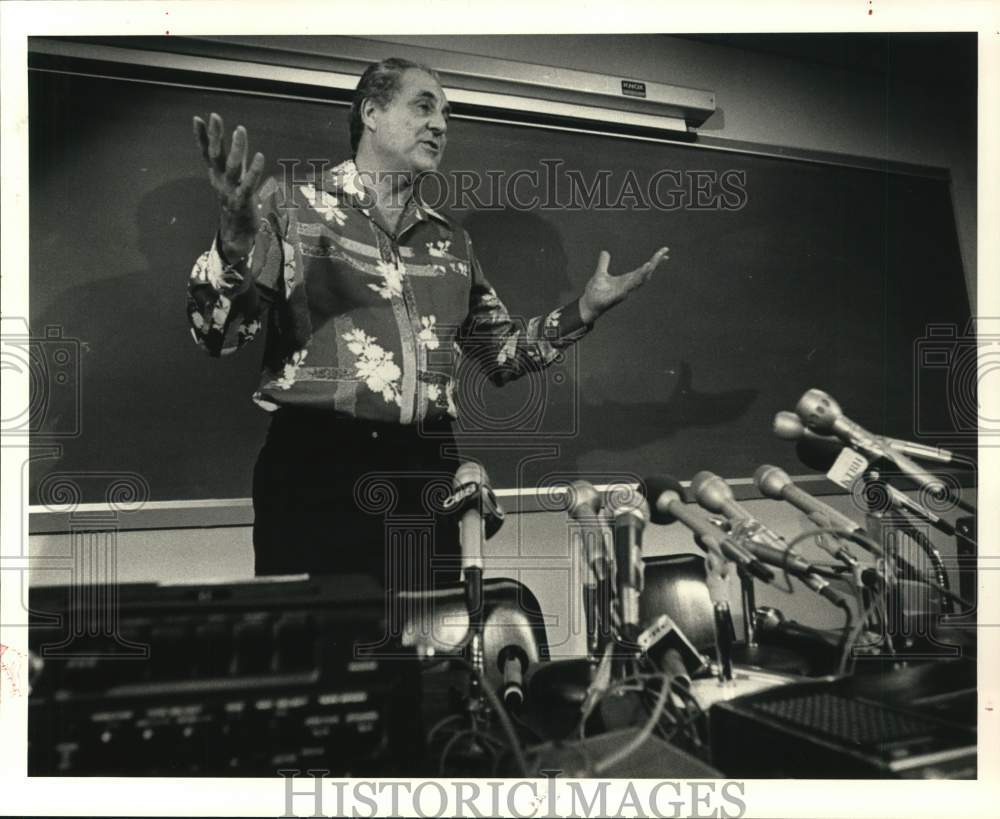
(336,495)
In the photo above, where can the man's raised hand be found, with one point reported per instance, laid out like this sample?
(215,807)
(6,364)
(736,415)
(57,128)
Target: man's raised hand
(233,181)
(604,291)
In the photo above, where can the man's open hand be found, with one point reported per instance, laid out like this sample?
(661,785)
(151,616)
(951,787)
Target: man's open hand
(233,181)
(604,291)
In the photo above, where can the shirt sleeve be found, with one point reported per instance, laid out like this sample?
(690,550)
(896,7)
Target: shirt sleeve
(508,348)
(226,301)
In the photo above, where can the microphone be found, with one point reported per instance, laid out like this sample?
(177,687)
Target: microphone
(584,500)
(668,646)
(774,483)
(818,452)
(822,414)
(789,426)
(667,495)
(513,662)
(629,516)
(480,514)
(666,501)
(673,665)
(772,627)
(821,455)
(901,502)
(584,508)
(481,517)
(714,494)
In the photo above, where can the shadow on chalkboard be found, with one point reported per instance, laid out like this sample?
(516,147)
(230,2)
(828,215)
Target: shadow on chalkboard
(140,369)
(511,240)
(153,403)
(686,407)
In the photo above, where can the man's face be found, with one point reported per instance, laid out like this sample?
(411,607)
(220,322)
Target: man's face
(410,132)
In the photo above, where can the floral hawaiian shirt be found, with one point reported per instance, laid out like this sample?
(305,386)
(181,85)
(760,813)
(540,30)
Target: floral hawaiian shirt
(362,321)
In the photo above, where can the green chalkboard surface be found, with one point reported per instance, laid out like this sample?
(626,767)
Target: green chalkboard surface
(784,275)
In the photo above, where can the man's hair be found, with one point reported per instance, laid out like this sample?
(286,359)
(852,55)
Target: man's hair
(380,82)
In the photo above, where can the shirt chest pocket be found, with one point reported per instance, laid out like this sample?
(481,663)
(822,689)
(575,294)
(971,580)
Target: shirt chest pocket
(337,284)
(440,294)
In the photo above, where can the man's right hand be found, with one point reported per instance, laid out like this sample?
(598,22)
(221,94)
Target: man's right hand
(234,183)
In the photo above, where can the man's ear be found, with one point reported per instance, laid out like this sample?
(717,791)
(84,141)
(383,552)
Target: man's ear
(369,113)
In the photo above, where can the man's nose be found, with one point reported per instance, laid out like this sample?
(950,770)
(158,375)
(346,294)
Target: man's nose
(438,124)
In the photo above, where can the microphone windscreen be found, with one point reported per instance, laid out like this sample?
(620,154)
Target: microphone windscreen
(657,488)
(583,500)
(770,480)
(818,411)
(711,492)
(470,472)
(788,425)
(625,499)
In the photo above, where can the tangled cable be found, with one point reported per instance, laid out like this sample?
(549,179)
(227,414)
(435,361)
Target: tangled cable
(475,727)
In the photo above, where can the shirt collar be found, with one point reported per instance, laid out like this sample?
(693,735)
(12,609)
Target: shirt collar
(345,179)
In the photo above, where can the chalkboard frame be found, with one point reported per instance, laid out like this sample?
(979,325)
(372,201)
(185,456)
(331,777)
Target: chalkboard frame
(187,62)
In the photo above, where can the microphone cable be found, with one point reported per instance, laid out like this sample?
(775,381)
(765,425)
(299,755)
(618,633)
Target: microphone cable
(858,538)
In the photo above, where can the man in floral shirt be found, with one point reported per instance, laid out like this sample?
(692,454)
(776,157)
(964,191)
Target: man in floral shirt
(372,301)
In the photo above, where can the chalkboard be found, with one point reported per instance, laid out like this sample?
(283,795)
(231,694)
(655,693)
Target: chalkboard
(784,275)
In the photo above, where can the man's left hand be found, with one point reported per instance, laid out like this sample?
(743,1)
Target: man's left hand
(604,291)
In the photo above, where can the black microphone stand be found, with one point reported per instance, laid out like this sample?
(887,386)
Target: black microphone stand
(481,496)
(887,529)
(597,591)
(748,604)
(881,585)
(473,580)
(717,569)
(748,601)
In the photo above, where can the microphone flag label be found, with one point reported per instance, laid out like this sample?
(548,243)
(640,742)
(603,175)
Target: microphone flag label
(848,467)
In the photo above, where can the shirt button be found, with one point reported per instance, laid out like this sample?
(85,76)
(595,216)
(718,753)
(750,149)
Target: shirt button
(374,433)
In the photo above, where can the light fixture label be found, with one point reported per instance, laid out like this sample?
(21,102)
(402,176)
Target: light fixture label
(634,88)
